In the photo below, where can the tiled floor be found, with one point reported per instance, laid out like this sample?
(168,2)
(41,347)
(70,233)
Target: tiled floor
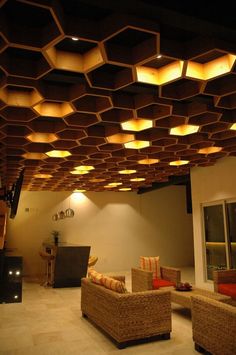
(49,321)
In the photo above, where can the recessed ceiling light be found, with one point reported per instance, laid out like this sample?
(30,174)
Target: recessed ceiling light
(120,138)
(115,183)
(85,167)
(137,144)
(148,161)
(74,38)
(125,189)
(137,179)
(159,56)
(42,176)
(209,150)
(79,190)
(233,127)
(108,186)
(179,162)
(126,171)
(79,172)
(34,156)
(42,137)
(58,153)
(184,130)
(137,124)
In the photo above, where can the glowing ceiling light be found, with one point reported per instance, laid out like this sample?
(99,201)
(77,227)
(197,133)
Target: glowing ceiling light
(126,171)
(179,162)
(137,179)
(85,167)
(108,186)
(137,124)
(79,172)
(233,127)
(125,189)
(42,137)
(159,56)
(209,150)
(120,138)
(137,144)
(79,190)
(42,176)
(115,184)
(184,130)
(34,156)
(148,161)
(74,38)
(58,153)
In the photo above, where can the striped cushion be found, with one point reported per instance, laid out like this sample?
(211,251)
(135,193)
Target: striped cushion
(150,263)
(95,276)
(113,284)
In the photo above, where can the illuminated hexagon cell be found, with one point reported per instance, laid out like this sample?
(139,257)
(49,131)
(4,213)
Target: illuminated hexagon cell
(20,96)
(53,109)
(131,46)
(24,62)
(110,77)
(76,56)
(20,19)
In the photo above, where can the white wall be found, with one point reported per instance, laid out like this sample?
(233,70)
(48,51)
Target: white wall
(209,184)
(119,226)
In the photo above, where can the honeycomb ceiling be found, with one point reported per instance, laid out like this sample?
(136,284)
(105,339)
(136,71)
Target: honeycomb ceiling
(127,93)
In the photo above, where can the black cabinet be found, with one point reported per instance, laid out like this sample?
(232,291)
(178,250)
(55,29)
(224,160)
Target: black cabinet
(11,280)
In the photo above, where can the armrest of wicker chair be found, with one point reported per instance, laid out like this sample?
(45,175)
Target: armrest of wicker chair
(214,325)
(118,277)
(223,277)
(141,280)
(170,274)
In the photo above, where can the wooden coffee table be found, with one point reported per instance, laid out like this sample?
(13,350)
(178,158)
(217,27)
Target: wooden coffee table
(183,298)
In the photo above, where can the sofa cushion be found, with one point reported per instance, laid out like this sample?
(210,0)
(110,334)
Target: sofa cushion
(156,283)
(113,284)
(150,263)
(228,289)
(95,276)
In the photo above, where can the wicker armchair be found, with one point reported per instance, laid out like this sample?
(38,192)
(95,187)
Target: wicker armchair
(225,282)
(127,317)
(214,326)
(142,280)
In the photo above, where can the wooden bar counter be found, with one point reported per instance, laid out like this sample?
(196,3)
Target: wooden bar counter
(70,263)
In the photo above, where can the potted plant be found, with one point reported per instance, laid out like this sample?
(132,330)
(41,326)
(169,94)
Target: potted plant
(55,235)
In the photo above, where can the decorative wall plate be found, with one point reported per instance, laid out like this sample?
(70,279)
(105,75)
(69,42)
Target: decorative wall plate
(69,213)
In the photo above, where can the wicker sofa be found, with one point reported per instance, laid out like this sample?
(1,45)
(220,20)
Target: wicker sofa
(225,282)
(214,326)
(142,280)
(127,317)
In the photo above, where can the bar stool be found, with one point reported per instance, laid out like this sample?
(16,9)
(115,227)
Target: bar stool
(49,259)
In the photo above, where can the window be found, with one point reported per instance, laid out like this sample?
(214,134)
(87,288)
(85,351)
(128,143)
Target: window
(220,236)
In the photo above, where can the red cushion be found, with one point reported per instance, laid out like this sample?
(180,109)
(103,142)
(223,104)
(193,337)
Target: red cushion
(156,283)
(228,289)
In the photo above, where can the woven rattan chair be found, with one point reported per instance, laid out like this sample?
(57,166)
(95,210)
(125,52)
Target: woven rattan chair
(214,326)
(142,280)
(92,260)
(225,282)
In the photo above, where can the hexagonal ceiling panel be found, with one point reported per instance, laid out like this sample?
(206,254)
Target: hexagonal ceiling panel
(95,99)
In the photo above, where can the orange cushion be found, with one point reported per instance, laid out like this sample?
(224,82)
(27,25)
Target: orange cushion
(95,276)
(150,263)
(156,283)
(228,289)
(113,284)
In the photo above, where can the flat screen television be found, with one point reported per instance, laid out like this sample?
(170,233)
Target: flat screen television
(12,196)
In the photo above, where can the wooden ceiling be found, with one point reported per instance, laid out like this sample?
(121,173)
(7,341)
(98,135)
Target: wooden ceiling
(73,73)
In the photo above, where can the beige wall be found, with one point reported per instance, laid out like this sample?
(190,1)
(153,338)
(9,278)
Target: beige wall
(119,226)
(209,184)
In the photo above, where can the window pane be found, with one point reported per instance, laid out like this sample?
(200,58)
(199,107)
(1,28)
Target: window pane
(215,239)
(231,212)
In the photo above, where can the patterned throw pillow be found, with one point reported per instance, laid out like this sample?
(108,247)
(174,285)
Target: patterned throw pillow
(95,276)
(113,284)
(151,263)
